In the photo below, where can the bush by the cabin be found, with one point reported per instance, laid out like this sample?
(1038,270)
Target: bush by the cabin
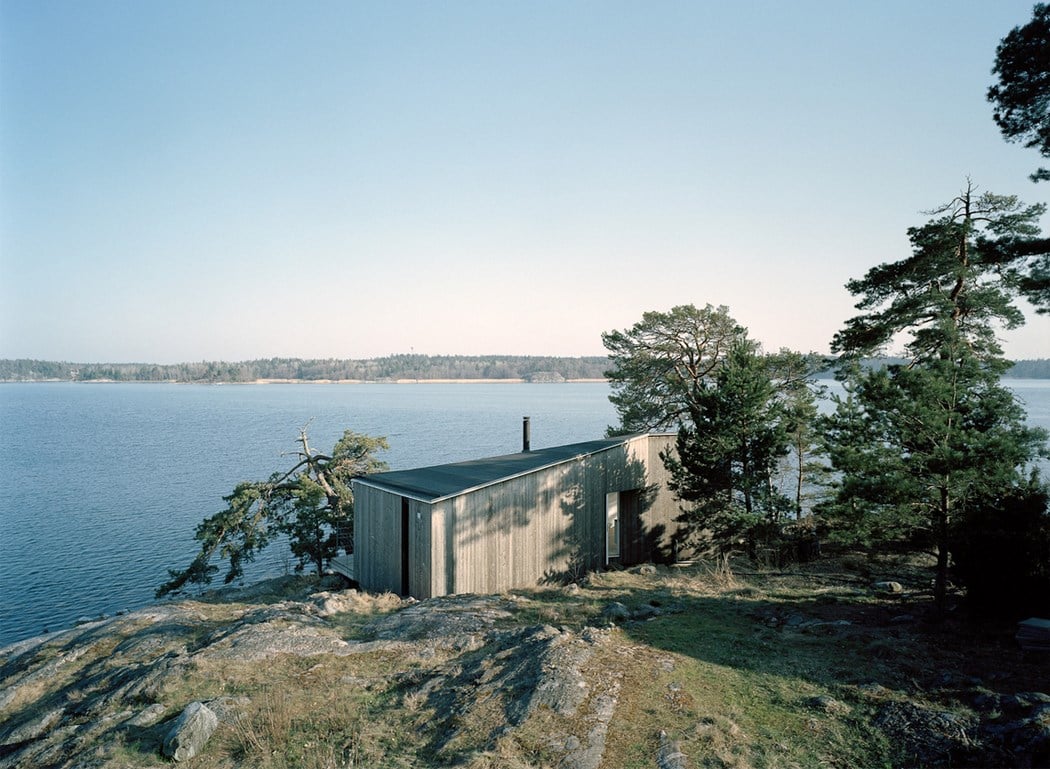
(1002,554)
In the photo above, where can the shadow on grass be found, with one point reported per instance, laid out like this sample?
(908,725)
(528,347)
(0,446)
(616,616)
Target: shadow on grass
(833,636)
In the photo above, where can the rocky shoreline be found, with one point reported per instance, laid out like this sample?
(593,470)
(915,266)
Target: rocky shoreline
(121,695)
(576,677)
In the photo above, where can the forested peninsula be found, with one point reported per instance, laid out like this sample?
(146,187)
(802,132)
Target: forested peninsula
(392,368)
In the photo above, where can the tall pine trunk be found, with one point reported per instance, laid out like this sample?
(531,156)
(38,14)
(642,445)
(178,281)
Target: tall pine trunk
(940,582)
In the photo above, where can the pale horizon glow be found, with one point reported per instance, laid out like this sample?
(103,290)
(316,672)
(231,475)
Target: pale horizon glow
(242,180)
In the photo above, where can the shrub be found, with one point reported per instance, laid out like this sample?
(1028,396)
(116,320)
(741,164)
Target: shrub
(1002,553)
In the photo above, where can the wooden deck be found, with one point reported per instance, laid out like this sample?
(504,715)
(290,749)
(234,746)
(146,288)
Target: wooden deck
(344,565)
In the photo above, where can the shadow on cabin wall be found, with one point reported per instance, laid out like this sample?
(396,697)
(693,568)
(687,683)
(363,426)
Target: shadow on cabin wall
(588,536)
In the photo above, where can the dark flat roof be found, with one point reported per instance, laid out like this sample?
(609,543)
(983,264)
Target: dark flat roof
(432,483)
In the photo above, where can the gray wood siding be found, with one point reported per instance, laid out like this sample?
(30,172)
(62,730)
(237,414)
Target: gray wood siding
(377,539)
(420,543)
(536,528)
(377,549)
(441,541)
(663,509)
(544,526)
(513,533)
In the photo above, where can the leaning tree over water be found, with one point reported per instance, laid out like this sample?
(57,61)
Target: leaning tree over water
(310,503)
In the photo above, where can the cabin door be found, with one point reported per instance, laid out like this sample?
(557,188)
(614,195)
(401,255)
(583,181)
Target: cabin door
(632,536)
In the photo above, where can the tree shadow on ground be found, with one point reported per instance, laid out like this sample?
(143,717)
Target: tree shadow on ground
(888,655)
(845,634)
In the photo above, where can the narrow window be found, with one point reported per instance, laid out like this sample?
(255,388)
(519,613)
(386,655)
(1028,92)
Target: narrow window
(612,526)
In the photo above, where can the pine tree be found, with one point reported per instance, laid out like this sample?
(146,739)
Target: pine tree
(311,504)
(919,446)
(728,454)
(659,362)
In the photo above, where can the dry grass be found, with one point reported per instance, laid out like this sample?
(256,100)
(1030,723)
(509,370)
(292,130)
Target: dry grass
(723,660)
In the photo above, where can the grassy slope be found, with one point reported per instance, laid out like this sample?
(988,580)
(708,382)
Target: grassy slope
(731,666)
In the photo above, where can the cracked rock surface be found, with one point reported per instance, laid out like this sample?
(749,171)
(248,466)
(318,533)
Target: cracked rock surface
(110,682)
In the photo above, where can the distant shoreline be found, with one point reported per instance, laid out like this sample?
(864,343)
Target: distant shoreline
(403,381)
(415,381)
(406,381)
(303,381)
(422,381)
(393,369)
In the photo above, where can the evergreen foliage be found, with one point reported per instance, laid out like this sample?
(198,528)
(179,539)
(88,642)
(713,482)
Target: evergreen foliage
(1021,96)
(1029,369)
(744,420)
(658,364)
(311,504)
(1002,552)
(794,376)
(728,454)
(919,446)
(391,368)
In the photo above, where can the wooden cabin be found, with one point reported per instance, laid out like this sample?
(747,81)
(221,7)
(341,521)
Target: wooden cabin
(538,517)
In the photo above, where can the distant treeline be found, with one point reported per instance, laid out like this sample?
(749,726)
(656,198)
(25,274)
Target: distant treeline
(1030,369)
(530,368)
(391,368)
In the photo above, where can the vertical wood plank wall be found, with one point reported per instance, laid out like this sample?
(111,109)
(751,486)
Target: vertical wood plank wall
(377,539)
(524,531)
(664,508)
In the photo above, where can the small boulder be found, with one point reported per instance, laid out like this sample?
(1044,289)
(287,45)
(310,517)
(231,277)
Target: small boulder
(1023,702)
(670,755)
(986,701)
(228,709)
(593,635)
(888,588)
(827,704)
(818,627)
(190,732)
(644,612)
(616,612)
(328,604)
(924,736)
(646,569)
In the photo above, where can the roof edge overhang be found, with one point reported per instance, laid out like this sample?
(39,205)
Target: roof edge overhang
(401,492)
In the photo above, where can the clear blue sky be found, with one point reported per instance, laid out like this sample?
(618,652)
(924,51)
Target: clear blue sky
(231,180)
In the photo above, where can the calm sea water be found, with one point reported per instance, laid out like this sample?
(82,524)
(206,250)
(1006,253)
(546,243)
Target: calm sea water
(101,486)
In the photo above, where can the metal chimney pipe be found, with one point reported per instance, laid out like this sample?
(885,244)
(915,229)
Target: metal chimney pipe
(526,435)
